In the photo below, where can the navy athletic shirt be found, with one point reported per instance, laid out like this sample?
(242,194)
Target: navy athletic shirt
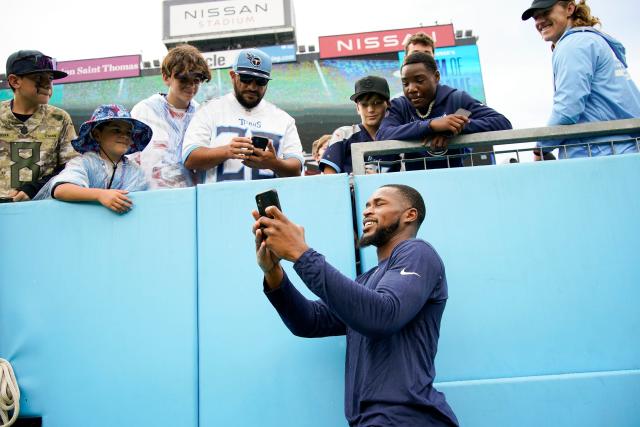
(391,316)
(403,123)
(338,155)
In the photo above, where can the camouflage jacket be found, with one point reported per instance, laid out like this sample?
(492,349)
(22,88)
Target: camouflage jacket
(33,151)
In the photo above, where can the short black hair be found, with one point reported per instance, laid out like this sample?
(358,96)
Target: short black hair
(413,197)
(421,58)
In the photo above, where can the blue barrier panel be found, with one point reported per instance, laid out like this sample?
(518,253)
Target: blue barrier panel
(253,371)
(542,266)
(587,400)
(98,310)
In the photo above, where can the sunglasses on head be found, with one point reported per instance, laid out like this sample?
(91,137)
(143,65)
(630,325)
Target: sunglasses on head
(196,78)
(247,79)
(43,62)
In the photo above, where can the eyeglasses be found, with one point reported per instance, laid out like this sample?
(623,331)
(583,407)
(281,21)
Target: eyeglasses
(43,62)
(247,79)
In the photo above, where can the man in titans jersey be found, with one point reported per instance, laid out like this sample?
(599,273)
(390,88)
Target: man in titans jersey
(218,144)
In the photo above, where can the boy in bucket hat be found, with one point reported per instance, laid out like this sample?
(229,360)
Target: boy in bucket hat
(103,173)
(218,142)
(371,96)
(35,138)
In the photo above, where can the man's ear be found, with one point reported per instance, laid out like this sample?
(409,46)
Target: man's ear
(437,75)
(411,215)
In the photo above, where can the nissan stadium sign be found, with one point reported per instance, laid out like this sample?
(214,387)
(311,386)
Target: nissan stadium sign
(381,41)
(190,20)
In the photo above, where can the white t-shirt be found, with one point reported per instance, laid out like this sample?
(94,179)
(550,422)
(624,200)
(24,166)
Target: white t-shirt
(221,119)
(161,159)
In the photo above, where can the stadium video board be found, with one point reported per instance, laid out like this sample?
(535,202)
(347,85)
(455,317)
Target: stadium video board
(459,67)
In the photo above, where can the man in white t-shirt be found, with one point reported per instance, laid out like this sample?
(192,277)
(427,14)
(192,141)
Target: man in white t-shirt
(183,70)
(218,140)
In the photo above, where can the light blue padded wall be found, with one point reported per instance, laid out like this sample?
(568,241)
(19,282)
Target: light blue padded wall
(543,273)
(253,371)
(98,310)
(540,329)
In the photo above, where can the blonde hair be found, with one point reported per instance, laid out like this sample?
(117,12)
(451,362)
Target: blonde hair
(582,17)
(318,144)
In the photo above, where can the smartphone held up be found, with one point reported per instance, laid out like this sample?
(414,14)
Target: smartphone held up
(266,199)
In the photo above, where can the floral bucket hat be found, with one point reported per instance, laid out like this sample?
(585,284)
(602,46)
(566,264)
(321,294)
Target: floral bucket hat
(140,135)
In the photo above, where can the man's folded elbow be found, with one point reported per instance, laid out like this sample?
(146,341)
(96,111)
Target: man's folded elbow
(188,163)
(379,332)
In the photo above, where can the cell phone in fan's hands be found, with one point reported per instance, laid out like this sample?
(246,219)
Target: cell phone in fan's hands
(266,199)
(6,199)
(260,142)
(463,112)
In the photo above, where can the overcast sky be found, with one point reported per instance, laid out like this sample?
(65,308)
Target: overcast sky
(516,63)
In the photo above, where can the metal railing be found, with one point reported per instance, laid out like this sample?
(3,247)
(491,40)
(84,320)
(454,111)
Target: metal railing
(505,137)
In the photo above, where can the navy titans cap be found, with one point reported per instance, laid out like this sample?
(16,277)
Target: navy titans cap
(253,62)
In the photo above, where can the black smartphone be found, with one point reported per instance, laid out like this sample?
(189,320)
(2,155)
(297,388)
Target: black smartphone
(6,199)
(260,142)
(266,199)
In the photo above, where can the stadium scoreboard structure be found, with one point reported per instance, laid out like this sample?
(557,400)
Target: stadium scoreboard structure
(218,25)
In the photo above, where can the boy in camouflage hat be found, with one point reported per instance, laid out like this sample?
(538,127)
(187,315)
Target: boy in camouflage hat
(35,138)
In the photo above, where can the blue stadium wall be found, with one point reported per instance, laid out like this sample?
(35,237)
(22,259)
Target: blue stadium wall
(157,317)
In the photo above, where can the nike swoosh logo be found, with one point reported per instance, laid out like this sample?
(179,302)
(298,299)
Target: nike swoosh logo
(408,273)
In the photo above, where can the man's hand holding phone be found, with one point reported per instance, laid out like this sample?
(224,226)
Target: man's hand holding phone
(453,123)
(447,126)
(262,158)
(239,148)
(282,237)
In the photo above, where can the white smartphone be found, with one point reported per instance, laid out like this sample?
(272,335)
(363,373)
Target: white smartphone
(463,112)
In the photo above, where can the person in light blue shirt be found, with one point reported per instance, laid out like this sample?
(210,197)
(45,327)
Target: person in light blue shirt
(590,77)
(103,173)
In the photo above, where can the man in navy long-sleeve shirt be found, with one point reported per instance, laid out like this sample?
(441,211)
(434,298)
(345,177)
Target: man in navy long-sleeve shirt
(427,113)
(390,314)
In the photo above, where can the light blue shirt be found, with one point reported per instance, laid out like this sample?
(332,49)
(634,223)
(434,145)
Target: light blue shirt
(92,171)
(592,84)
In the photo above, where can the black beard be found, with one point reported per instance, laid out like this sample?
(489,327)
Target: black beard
(380,237)
(243,102)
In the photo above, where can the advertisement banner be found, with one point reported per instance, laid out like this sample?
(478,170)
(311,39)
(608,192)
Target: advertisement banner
(381,41)
(225,58)
(459,67)
(115,67)
(224,16)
